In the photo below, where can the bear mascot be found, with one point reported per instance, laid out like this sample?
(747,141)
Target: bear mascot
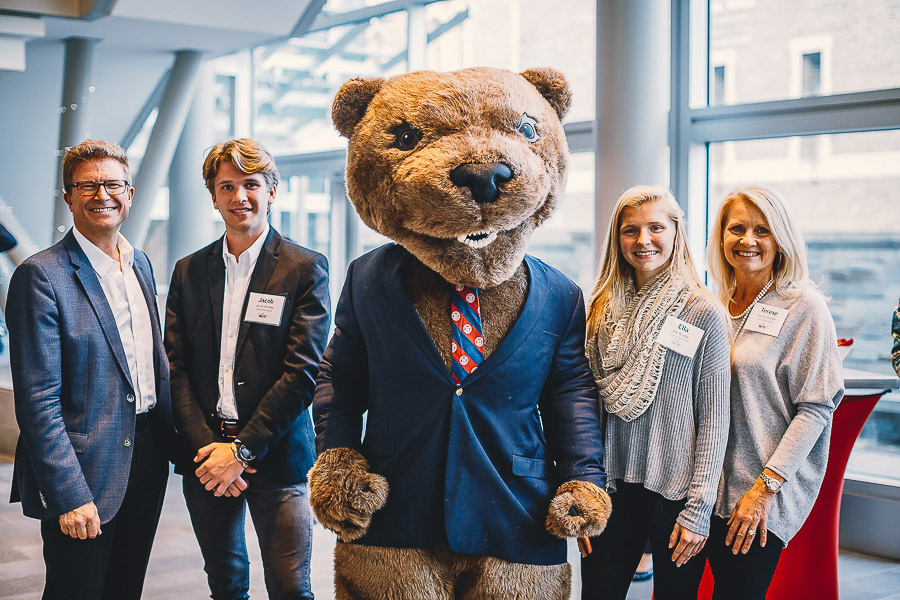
(457,422)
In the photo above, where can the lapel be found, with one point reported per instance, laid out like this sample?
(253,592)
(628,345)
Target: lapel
(259,279)
(391,267)
(85,274)
(145,279)
(215,275)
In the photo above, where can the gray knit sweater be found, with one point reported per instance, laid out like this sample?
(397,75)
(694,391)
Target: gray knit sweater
(676,447)
(783,392)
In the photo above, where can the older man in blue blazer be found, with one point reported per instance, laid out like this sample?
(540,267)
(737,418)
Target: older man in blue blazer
(91,384)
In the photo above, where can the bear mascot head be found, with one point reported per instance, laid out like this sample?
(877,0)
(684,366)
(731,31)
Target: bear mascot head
(482,442)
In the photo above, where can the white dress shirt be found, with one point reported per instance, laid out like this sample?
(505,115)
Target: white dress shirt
(129,308)
(237,280)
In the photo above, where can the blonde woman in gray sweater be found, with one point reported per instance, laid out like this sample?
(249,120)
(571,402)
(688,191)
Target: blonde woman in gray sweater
(786,381)
(658,345)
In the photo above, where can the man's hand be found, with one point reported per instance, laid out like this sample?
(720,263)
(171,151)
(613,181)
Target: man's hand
(220,469)
(81,523)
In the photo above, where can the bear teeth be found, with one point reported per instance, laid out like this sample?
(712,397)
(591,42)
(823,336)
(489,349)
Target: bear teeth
(479,239)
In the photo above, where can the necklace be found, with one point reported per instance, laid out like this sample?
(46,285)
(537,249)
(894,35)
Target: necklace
(743,316)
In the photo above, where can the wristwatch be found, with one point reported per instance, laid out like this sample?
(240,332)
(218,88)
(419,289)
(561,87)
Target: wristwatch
(772,484)
(242,453)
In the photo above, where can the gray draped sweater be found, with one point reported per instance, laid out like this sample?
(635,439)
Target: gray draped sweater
(676,447)
(784,390)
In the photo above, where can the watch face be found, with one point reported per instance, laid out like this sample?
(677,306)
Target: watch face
(245,453)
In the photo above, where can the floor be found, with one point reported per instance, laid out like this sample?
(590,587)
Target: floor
(176,571)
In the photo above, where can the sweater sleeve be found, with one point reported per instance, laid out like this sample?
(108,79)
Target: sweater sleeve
(813,377)
(712,410)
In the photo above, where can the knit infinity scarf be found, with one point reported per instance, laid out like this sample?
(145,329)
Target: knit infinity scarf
(624,356)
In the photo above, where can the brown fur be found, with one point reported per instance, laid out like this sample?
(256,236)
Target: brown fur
(591,505)
(466,116)
(378,573)
(343,493)
(500,306)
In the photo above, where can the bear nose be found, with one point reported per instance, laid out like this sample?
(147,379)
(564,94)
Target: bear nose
(484,180)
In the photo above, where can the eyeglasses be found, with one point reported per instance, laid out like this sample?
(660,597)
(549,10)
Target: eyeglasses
(113,187)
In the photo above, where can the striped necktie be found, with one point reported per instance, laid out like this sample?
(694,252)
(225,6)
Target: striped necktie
(467,335)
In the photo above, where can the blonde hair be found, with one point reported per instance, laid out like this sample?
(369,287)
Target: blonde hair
(789,271)
(608,296)
(247,155)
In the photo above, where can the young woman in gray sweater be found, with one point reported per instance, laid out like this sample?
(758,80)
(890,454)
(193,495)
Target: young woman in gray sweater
(786,381)
(658,345)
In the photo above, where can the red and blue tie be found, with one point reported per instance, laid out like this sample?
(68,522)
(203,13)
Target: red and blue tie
(467,335)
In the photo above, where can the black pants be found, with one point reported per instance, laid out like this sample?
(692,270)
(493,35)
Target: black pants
(638,514)
(113,564)
(741,576)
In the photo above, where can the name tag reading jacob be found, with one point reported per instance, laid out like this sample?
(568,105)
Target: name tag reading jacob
(680,336)
(766,319)
(265,309)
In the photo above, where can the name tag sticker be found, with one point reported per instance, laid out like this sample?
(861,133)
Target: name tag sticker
(766,319)
(680,336)
(264,308)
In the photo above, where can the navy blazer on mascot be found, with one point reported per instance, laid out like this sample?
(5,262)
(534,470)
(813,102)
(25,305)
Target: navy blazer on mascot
(464,484)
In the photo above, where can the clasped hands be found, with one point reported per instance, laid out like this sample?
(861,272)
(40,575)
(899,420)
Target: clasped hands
(220,472)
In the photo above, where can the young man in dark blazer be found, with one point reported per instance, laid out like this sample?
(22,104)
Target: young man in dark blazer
(246,324)
(91,389)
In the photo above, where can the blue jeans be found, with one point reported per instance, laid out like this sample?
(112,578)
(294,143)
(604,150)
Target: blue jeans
(283,524)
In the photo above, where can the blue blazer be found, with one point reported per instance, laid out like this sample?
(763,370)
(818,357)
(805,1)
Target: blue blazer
(476,465)
(73,393)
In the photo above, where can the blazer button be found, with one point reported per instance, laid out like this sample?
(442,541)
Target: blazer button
(130,397)
(459,391)
(127,442)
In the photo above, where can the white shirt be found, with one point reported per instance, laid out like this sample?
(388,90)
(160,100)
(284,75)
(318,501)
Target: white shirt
(129,308)
(237,280)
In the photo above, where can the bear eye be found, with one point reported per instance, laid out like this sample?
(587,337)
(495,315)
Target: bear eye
(406,136)
(528,128)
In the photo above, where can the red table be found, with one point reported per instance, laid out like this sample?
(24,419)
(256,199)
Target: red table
(808,567)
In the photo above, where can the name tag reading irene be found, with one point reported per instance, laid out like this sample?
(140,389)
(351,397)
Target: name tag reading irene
(265,309)
(680,336)
(766,319)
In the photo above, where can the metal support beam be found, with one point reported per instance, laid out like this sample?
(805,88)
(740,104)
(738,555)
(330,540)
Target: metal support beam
(438,31)
(173,111)
(75,120)
(190,219)
(632,103)
(416,38)
(312,11)
(327,21)
(840,113)
(339,45)
(152,103)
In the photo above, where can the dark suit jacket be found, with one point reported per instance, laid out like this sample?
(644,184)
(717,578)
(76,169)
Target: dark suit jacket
(275,367)
(73,392)
(476,465)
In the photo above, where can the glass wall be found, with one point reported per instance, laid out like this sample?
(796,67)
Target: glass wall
(836,161)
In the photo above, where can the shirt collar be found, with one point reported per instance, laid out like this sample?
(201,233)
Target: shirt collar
(100,261)
(252,252)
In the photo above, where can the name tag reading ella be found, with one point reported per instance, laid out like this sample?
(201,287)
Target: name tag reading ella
(766,319)
(265,309)
(680,336)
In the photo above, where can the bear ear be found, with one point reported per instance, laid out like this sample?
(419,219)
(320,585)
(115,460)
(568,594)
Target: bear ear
(553,86)
(351,101)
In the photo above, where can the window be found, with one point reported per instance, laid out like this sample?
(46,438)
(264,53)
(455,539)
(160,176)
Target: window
(851,45)
(836,159)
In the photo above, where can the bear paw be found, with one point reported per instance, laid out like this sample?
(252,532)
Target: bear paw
(343,493)
(579,509)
